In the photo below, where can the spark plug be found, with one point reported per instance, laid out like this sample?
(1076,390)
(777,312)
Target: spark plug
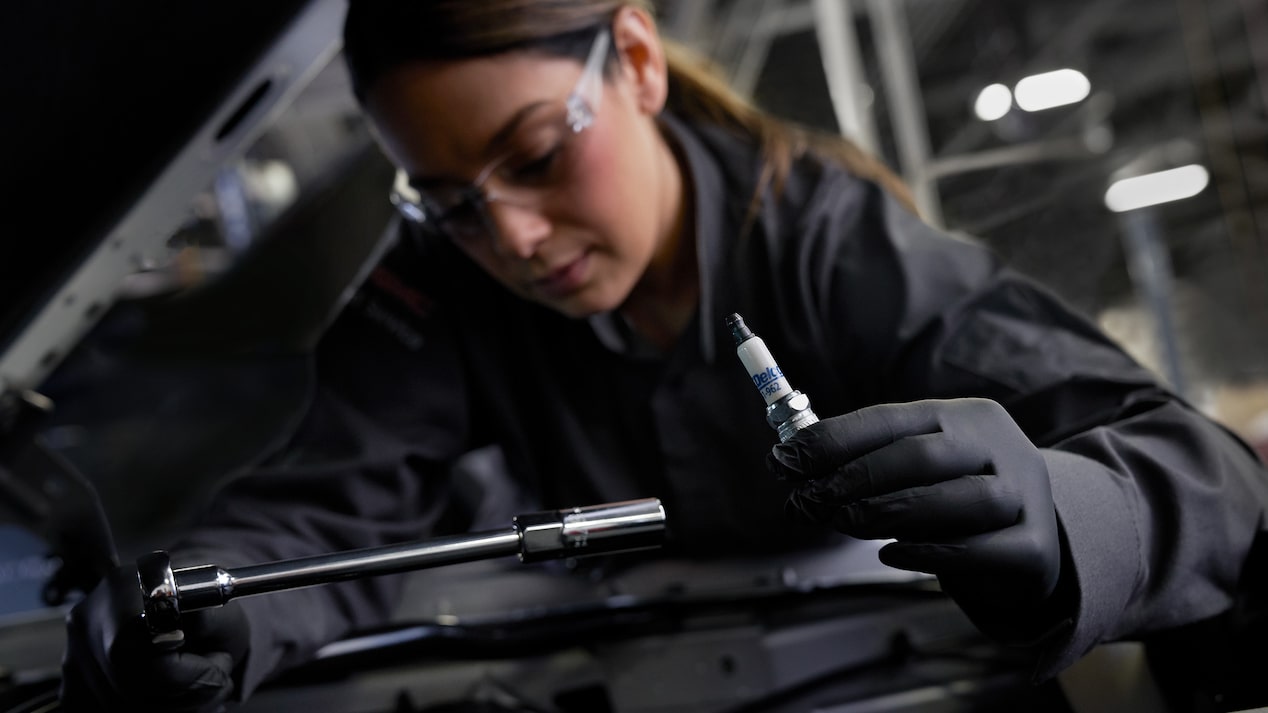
(787,410)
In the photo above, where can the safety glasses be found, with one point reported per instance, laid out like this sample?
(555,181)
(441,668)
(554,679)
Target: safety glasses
(541,157)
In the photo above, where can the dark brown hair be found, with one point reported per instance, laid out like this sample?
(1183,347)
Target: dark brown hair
(381,34)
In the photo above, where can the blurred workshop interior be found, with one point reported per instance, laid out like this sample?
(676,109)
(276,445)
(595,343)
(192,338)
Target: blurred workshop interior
(1115,150)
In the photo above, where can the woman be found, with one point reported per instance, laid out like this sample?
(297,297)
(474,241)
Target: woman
(584,207)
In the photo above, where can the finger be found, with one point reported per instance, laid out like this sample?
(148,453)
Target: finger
(206,681)
(951,510)
(194,699)
(811,508)
(216,630)
(135,662)
(179,681)
(906,463)
(196,672)
(820,448)
(984,555)
(928,557)
(148,671)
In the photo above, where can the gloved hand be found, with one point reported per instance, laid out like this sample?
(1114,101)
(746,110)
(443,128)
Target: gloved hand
(956,483)
(111,662)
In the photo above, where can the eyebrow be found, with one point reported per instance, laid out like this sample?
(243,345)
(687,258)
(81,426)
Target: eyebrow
(499,138)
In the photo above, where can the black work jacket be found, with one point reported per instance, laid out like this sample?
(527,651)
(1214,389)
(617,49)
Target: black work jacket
(860,302)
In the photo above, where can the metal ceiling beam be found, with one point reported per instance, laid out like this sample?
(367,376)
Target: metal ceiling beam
(843,67)
(906,106)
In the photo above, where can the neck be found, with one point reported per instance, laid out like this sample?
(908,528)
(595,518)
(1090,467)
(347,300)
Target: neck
(664,300)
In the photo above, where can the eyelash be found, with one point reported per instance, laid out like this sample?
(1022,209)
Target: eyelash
(539,167)
(536,168)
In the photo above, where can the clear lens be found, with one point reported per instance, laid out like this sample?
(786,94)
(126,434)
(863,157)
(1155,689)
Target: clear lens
(457,214)
(467,219)
(535,164)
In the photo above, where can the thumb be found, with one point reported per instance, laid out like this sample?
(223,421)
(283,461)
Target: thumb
(222,629)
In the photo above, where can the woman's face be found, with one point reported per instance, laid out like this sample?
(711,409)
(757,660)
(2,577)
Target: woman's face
(578,218)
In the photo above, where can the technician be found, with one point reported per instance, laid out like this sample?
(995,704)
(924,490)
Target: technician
(584,207)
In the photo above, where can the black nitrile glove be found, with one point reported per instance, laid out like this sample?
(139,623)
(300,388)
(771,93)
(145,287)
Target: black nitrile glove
(111,662)
(960,488)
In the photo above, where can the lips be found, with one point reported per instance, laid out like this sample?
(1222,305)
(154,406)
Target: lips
(565,279)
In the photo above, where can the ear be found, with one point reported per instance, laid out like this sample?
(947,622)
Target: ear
(643,62)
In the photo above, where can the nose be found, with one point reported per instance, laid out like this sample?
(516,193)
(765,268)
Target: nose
(520,229)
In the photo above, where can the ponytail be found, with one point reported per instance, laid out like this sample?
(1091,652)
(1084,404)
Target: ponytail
(697,91)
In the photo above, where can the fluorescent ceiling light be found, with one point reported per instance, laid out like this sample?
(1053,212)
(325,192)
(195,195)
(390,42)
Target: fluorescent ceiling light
(1051,89)
(993,102)
(1154,188)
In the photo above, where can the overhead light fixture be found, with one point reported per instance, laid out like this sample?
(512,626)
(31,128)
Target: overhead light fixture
(1052,89)
(993,102)
(1154,188)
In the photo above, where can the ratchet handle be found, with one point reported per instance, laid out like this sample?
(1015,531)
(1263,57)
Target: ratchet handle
(166,593)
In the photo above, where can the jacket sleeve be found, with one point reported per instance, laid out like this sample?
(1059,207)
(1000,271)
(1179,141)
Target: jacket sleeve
(366,467)
(1159,506)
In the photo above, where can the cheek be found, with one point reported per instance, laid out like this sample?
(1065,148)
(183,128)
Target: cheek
(596,189)
(613,193)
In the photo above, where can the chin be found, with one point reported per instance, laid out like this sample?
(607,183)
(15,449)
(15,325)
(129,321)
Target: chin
(586,303)
(577,309)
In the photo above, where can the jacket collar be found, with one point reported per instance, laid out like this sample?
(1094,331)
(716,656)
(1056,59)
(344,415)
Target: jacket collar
(720,187)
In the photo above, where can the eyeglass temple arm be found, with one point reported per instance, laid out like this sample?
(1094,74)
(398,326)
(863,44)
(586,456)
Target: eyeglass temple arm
(583,103)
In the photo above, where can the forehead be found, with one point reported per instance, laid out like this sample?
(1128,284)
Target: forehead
(433,116)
